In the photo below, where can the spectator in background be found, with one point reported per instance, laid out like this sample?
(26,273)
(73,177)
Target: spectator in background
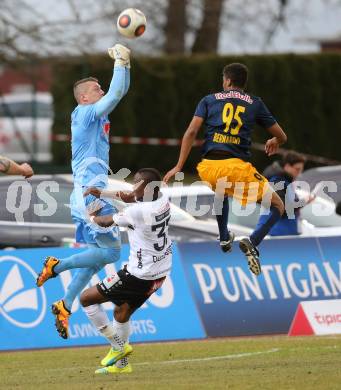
(9,167)
(287,172)
(273,169)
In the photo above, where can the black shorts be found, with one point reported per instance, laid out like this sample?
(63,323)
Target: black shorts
(125,288)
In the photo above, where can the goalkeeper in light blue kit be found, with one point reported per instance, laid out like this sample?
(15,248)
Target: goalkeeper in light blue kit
(90,165)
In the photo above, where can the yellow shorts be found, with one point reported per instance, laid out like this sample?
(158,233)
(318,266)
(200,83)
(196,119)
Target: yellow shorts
(234,177)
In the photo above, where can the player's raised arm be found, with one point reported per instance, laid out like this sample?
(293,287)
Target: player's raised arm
(265,119)
(120,81)
(186,146)
(122,219)
(102,220)
(279,138)
(125,196)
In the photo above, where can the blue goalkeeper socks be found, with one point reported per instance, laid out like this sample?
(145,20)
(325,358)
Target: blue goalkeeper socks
(90,262)
(92,257)
(78,283)
(263,229)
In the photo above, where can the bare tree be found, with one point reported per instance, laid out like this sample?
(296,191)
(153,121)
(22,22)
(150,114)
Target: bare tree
(277,20)
(208,34)
(35,28)
(175,28)
(31,28)
(26,33)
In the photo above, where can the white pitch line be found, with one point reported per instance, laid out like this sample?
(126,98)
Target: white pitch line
(223,357)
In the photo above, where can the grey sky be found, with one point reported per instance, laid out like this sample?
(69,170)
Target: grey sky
(244,24)
(306,22)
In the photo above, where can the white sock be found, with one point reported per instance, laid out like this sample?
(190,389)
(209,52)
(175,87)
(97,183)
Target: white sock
(122,363)
(109,333)
(123,331)
(98,317)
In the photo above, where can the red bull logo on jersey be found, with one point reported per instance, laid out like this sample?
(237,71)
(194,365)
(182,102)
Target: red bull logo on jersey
(234,95)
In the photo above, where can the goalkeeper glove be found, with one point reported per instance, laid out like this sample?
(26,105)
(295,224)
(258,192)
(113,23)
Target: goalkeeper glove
(120,54)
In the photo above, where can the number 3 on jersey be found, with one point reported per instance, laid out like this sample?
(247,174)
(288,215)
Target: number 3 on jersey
(161,234)
(229,114)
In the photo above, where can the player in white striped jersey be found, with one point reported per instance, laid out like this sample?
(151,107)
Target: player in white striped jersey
(150,261)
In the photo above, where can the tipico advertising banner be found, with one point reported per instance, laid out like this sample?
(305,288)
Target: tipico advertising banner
(232,301)
(26,320)
(317,317)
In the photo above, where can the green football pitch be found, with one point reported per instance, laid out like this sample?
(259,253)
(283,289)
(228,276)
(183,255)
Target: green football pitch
(258,363)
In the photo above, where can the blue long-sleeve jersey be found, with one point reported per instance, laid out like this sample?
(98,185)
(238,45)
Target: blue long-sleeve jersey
(90,140)
(90,133)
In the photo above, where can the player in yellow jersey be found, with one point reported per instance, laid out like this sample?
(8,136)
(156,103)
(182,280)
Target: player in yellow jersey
(229,117)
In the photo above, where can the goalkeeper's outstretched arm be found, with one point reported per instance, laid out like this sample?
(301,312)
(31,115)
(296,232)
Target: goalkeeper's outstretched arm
(116,92)
(120,81)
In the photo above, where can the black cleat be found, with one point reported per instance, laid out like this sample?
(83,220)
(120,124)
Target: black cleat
(252,255)
(226,246)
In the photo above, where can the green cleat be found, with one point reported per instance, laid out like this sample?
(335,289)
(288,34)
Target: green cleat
(115,370)
(114,355)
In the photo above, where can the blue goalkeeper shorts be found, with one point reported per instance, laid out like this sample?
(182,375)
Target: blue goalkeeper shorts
(88,233)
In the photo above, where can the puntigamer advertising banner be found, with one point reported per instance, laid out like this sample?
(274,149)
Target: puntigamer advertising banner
(234,302)
(26,320)
(208,294)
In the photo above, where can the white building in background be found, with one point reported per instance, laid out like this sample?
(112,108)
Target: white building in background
(26,114)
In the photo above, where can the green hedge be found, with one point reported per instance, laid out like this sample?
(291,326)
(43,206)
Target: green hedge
(302,91)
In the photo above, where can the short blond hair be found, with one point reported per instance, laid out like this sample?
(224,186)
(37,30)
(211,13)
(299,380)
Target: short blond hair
(79,82)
